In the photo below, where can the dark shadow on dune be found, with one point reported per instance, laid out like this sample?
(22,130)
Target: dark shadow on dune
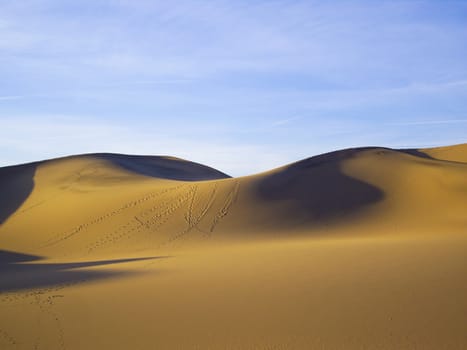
(21,272)
(319,189)
(163,167)
(416,153)
(16,184)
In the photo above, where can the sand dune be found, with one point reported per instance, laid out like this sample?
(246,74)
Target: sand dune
(454,153)
(359,248)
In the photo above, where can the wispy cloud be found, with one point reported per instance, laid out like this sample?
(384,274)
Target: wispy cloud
(285,121)
(13,97)
(190,77)
(190,39)
(430,122)
(152,82)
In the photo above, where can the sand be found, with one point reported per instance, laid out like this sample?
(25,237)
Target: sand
(355,249)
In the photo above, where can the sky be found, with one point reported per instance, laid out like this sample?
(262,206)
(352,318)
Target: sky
(243,86)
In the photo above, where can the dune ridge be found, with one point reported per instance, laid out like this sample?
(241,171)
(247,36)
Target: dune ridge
(358,248)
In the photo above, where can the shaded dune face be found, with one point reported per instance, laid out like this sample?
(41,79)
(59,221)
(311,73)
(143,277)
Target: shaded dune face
(417,153)
(16,184)
(162,167)
(319,187)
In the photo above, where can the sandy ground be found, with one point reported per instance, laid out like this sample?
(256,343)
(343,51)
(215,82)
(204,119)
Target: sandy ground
(357,249)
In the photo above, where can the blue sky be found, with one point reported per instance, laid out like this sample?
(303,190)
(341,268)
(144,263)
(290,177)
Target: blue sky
(242,86)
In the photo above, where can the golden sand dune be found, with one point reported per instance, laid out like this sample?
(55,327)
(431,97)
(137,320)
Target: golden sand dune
(355,249)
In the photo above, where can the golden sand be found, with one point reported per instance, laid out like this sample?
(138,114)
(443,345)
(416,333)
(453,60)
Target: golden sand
(356,249)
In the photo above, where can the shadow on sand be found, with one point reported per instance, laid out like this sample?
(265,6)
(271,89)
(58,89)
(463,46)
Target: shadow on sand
(319,188)
(16,184)
(417,153)
(163,167)
(19,271)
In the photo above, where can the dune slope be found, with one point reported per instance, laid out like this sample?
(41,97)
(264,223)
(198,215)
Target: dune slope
(360,248)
